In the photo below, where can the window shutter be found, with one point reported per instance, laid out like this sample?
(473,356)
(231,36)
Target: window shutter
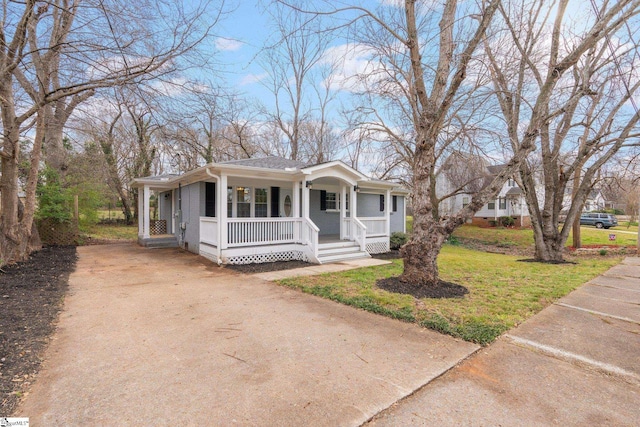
(275,202)
(323,200)
(210,199)
(395,203)
(382,203)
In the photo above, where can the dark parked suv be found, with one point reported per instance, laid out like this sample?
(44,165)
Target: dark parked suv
(600,220)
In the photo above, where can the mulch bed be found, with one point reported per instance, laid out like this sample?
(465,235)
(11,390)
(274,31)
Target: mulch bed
(441,290)
(392,254)
(32,293)
(267,266)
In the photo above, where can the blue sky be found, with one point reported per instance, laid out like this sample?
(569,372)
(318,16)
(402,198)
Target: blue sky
(240,37)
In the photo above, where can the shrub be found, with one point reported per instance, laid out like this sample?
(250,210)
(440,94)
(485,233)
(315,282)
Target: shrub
(493,223)
(54,201)
(603,252)
(397,239)
(507,221)
(453,240)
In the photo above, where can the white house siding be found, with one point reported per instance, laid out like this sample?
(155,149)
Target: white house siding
(192,209)
(369,205)
(164,206)
(397,218)
(327,221)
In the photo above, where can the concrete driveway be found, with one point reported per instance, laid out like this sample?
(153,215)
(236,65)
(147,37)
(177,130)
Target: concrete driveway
(576,363)
(163,337)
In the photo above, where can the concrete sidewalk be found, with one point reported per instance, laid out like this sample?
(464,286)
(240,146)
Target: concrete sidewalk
(575,363)
(164,337)
(314,269)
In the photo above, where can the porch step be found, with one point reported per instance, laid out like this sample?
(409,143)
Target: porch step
(337,244)
(339,251)
(160,242)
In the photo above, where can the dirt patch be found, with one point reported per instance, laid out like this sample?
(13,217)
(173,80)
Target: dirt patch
(441,290)
(553,262)
(267,266)
(32,293)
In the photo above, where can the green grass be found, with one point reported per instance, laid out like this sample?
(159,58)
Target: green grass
(111,214)
(502,291)
(523,238)
(111,232)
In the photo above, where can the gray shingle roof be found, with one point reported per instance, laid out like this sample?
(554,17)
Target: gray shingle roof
(267,163)
(163,177)
(514,190)
(495,169)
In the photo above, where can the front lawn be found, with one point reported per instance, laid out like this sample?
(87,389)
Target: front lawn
(111,232)
(523,238)
(503,292)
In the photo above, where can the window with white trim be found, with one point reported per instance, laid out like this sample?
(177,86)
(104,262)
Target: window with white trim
(261,203)
(243,202)
(332,202)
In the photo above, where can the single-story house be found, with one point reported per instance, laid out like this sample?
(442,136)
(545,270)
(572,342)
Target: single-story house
(463,175)
(271,209)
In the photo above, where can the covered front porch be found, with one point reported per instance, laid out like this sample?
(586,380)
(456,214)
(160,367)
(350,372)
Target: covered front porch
(242,215)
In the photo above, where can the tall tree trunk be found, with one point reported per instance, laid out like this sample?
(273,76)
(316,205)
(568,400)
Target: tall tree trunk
(548,247)
(421,252)
(55,153)
(17,221)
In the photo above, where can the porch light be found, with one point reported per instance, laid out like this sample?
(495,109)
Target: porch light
(309,184)
(356,188)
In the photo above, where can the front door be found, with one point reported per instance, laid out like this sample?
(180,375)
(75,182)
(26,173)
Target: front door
(286,202)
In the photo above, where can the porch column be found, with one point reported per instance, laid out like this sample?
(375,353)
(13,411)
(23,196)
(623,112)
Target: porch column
(305,199)
(389,208)
(353,202)
(343,211)
(222,217)
(296,209)
(147,213)
(140,212)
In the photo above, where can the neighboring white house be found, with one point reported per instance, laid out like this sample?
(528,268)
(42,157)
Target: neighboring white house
(271,209)
(595,200)
(510,201)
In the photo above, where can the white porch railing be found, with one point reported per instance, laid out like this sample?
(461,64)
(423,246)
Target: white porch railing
(209,230)
(376,226)
(359,233)
(309,235)
(260,231)
(346,228)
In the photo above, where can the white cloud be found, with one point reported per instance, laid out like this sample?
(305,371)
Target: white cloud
(353,62)
(252,78)
(228,45)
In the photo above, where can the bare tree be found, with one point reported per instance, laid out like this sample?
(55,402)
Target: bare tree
(576,89)
(421,55)
(57,53)
(294,64)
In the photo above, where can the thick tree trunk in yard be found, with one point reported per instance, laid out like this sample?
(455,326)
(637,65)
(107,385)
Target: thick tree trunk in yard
(421,252)
(549,249)
(420,256)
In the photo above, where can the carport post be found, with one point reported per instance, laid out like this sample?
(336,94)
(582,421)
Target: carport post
(147,196)
(140,213)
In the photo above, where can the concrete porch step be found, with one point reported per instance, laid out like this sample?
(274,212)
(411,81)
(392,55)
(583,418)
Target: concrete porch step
(339,250)
(160,242)
(337,244)
(325,259)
